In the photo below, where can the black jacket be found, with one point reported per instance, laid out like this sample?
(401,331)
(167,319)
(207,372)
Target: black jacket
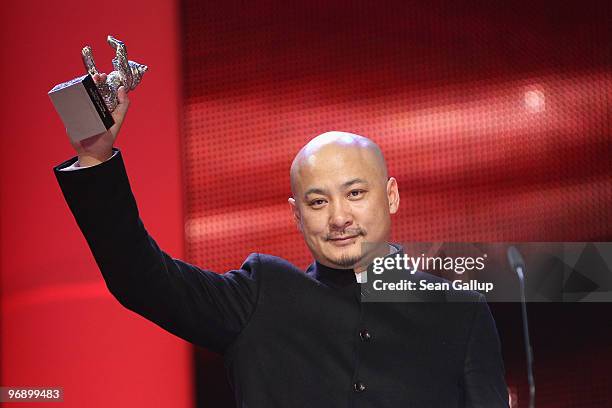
(289,338)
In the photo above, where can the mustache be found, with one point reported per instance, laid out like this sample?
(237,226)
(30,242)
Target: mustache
(348,232)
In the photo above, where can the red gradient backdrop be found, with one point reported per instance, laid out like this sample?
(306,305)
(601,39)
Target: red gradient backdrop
(493,116)
(60,326)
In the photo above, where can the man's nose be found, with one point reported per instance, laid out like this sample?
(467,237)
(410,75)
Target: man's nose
(341,216)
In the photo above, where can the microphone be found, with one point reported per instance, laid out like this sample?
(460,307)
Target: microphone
(516,262)
(518,266)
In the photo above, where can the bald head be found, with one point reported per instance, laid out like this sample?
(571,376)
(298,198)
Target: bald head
(343,199)
(331,150)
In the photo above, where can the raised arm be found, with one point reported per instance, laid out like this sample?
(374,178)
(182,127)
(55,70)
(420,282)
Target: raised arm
(197,305)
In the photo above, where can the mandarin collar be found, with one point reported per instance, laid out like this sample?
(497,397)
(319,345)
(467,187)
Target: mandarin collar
(339,278)
(336,278)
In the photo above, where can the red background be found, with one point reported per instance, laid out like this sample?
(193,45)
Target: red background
(60,326)
(494,118)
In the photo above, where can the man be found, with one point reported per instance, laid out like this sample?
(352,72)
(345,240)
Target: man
(291,338)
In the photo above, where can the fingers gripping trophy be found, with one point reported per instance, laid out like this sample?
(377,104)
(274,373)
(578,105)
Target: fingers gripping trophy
(92,107)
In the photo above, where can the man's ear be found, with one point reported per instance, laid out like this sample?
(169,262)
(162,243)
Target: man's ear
(296,213)
(393,195)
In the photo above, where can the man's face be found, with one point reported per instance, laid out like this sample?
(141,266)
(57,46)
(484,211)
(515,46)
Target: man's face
(342,200)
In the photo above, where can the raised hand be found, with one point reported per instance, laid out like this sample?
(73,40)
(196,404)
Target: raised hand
(98,148)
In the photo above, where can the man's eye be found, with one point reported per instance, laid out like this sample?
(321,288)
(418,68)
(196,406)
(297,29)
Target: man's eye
(356,193)
(317,203)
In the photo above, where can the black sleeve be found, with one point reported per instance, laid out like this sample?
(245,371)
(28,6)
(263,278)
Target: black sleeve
(484,378)
(200,306)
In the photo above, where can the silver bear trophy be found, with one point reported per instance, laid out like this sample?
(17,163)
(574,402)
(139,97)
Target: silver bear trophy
(125,73)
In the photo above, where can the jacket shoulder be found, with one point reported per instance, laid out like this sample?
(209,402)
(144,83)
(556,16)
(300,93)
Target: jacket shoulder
(271,264)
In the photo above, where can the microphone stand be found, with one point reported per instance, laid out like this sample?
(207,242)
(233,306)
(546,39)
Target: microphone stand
(518,265)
